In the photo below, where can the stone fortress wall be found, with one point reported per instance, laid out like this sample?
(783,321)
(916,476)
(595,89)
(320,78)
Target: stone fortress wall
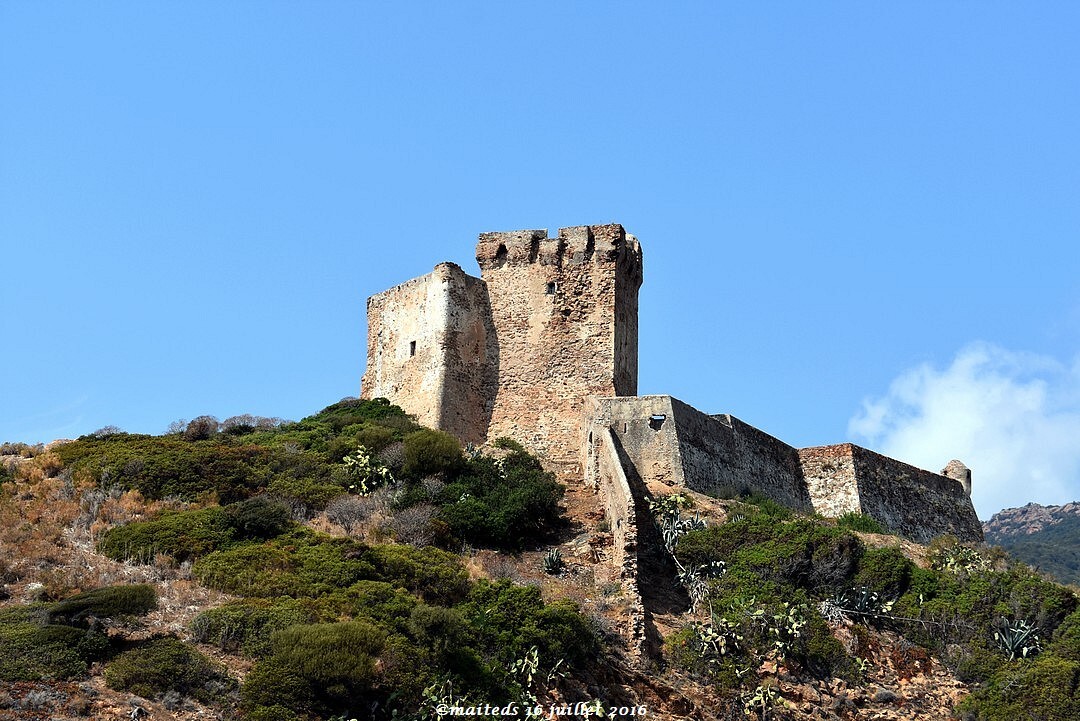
(906,500)
(543,349)
(667,445)
(432,350)
(565,314)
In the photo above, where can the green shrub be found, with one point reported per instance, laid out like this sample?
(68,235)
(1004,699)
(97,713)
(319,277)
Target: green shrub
(263,570)
(885,570)
(765,507)
(258,518)
(305,563)
(854,521)
(821,654)
(1044,603)
(387,604)
(373,437)
(298,563)
(321,668)
(441,629)
(428,452)
(799,553)
(1045,688)
(168,664)
(509,620)
(180,534)
(108,602)
(246,626)
(160,466)
(435,575)
(1066,640)
(505,502)
(709,652)
(975,662)
(351,411)
(34,652)
(312,493)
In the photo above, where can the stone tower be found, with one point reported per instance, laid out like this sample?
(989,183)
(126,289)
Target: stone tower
(552,321)
(565,310)
(431,350)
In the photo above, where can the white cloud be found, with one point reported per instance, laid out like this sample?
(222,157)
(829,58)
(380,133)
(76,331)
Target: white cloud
(1012,417)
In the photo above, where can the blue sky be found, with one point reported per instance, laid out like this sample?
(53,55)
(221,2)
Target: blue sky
(859,221)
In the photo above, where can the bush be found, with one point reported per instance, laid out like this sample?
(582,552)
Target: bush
(755,504)
(351,411)
(708,653)
(386,604)
(163,466)
(885,570)
(348,511)
(180,534)
(269,570)
(321,668)
(1066,641)
(441,629)
(258,518)
(1044,688)
(305,563)
(798,553)
(428,452)
(509,620)
(33,652)
(167,664)
(108,602)
(201,428)
(246,626)
(311,494)
(818,651)
(853,521)
(505,502)
(418,526)
(435,575)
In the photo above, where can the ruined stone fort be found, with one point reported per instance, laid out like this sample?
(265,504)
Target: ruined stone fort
(542,348)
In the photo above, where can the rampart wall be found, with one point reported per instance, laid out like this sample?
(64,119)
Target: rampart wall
(670,443)
(906,500)
(723,456)
(914,503)
(667,444)
(829,474)
(605,467)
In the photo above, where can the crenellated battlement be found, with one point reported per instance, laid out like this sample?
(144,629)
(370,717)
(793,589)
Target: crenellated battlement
(575,245)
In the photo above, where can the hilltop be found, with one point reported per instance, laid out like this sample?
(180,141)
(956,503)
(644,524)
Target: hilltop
(1046,537)
(216,571)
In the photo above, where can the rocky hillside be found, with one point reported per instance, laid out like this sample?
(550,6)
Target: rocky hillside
(353,565)
(1045,537)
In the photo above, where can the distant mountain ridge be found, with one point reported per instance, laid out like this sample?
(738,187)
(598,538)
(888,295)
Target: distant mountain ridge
(1046,537)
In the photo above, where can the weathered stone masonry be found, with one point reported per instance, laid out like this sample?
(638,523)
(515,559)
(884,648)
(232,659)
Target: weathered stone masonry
(431,349)
(543,349)
(552,322)
(667,445)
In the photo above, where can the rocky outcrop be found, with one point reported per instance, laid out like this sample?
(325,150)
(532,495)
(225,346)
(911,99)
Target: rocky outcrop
(1027,520)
